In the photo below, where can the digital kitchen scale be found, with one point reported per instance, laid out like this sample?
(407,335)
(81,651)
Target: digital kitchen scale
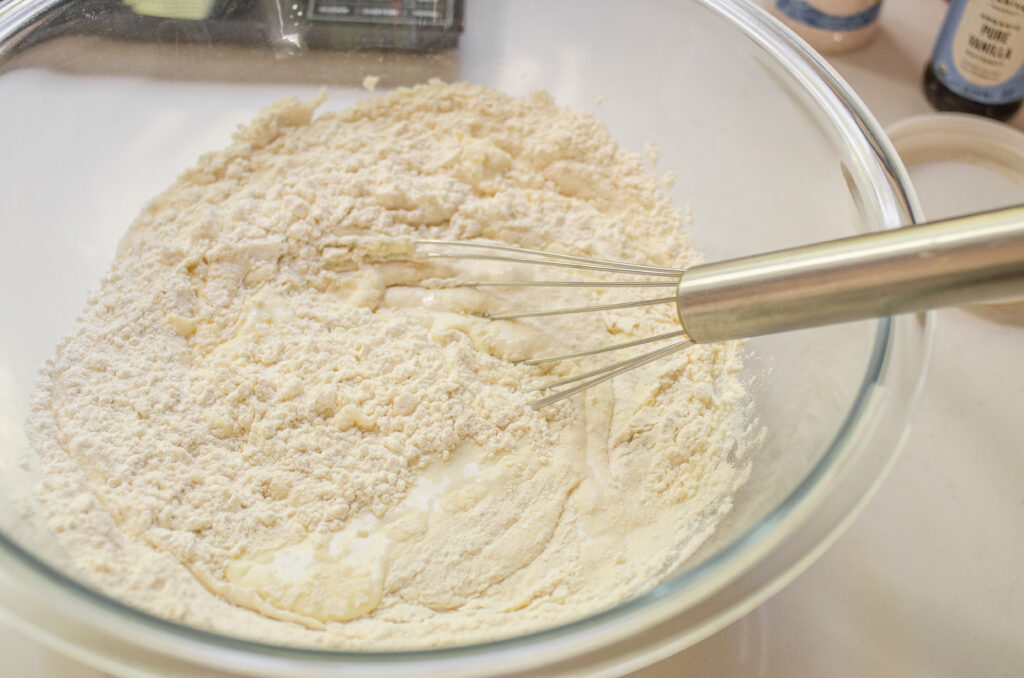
(416,25)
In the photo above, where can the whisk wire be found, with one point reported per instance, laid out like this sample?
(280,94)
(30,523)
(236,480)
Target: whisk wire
(581,309)
(548,258)
(561,264)
(594,377)
(603,349)
(563,283)
(522,255)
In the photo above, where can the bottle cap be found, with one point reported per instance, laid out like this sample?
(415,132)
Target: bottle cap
(960,164)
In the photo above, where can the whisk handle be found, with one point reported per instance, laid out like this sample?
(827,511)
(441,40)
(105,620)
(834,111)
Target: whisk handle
(972,259)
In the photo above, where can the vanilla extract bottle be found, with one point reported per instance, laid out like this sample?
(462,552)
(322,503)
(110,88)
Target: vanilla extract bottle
(978,62)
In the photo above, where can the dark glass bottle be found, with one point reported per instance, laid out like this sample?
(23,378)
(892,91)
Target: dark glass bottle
(943,98)
(978,62)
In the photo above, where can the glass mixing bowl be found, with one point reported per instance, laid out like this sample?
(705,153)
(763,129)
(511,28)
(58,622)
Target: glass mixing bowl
(770,148)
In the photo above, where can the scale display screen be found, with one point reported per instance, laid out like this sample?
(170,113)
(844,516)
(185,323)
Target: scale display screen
(439,13)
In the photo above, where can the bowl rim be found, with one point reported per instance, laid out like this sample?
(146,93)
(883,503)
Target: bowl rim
(752,543)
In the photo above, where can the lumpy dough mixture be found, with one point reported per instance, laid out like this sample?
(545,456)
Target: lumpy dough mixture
(277,419)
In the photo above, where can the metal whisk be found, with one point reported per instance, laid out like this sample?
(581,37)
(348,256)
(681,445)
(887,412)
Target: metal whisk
(972,259)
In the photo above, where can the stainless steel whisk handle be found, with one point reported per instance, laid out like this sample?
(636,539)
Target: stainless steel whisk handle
(972,259)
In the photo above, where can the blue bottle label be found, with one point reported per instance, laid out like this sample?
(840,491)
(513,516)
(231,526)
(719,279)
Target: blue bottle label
(980,50)
(807,13)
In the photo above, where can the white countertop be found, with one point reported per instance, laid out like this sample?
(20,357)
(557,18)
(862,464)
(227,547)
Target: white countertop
(929,581)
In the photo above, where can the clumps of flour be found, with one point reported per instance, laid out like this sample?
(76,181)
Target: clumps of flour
(266,425)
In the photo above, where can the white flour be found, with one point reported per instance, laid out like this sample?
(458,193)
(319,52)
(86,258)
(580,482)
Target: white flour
(275,420)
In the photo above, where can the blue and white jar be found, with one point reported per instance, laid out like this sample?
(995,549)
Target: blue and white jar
(830,26)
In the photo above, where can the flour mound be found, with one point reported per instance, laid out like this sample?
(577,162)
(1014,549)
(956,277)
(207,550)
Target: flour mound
(279,418)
